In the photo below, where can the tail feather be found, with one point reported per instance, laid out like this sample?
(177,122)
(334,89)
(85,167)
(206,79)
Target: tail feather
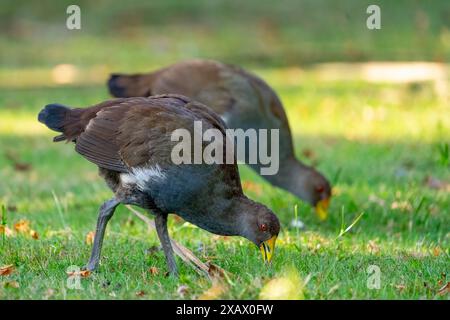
(131,85)
(53,116)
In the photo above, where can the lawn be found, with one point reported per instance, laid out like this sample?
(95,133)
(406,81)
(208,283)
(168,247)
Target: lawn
(382,145)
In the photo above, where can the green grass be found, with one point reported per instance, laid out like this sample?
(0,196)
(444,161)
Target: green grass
(377,143)
(377,169)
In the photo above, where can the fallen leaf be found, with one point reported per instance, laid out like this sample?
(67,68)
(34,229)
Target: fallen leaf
(400,287)
(81,273)
(22,166)
(436,251)
(11,284)
(214,292)
(373,198)
(50,292)
(435,183)
(34,234)
(6,270)
(444,290)
(85,273)
(140,293)
(18,165)
(23,226)
(90,238)
(401,205)
(11,208)
(6,231)
(373,247)
(153,271)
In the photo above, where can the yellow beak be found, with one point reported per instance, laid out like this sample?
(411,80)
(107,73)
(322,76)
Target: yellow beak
(322,209)
(267,248)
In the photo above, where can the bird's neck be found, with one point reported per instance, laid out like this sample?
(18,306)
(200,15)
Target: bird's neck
(290,168)
(220,217)
(290,175)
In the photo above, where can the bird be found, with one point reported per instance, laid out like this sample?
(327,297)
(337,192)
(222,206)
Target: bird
(129,139)
(243,100)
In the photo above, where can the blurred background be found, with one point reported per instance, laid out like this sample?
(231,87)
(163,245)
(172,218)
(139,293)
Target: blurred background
(369,108)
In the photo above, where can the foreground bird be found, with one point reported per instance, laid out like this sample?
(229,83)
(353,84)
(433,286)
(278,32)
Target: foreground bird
(130,141)
(244,101)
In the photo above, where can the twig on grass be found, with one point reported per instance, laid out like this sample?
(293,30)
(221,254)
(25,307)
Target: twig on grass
(185,254)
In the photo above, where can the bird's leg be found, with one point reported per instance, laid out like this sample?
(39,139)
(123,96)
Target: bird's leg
(163,234)
(106,212)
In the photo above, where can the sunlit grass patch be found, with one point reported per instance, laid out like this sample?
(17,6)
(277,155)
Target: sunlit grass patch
(382,146)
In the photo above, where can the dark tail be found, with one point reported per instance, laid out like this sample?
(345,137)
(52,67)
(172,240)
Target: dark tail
(54,116)
(130,85)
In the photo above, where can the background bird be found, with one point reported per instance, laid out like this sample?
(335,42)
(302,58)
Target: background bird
(130,141)
(244,101)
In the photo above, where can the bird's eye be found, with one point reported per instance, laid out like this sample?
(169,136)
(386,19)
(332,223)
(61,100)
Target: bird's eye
(263,227)
(320,188)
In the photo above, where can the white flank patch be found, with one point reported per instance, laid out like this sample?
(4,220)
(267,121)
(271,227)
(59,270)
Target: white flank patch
(143,176)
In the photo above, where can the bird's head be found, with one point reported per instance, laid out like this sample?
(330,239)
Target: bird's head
(316,190)
(306,183)
(259,225)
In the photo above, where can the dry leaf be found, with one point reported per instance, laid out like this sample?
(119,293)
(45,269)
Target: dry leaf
(444,290)
(50,292)
(34,234)
(11,284)
(23,226)
(434,183)
(85,273)
(401,205)
(373,247)
(90,238)
(216,290)
(11,208)
(140,293)
(81,273)
(6,270)
(436,251)
(153,271)
(22,166)
(400,287)
(6,231)
(18,165)
(373,198)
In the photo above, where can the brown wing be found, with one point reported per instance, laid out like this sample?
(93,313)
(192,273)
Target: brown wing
(197,79)
(137,131)
(98,141)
